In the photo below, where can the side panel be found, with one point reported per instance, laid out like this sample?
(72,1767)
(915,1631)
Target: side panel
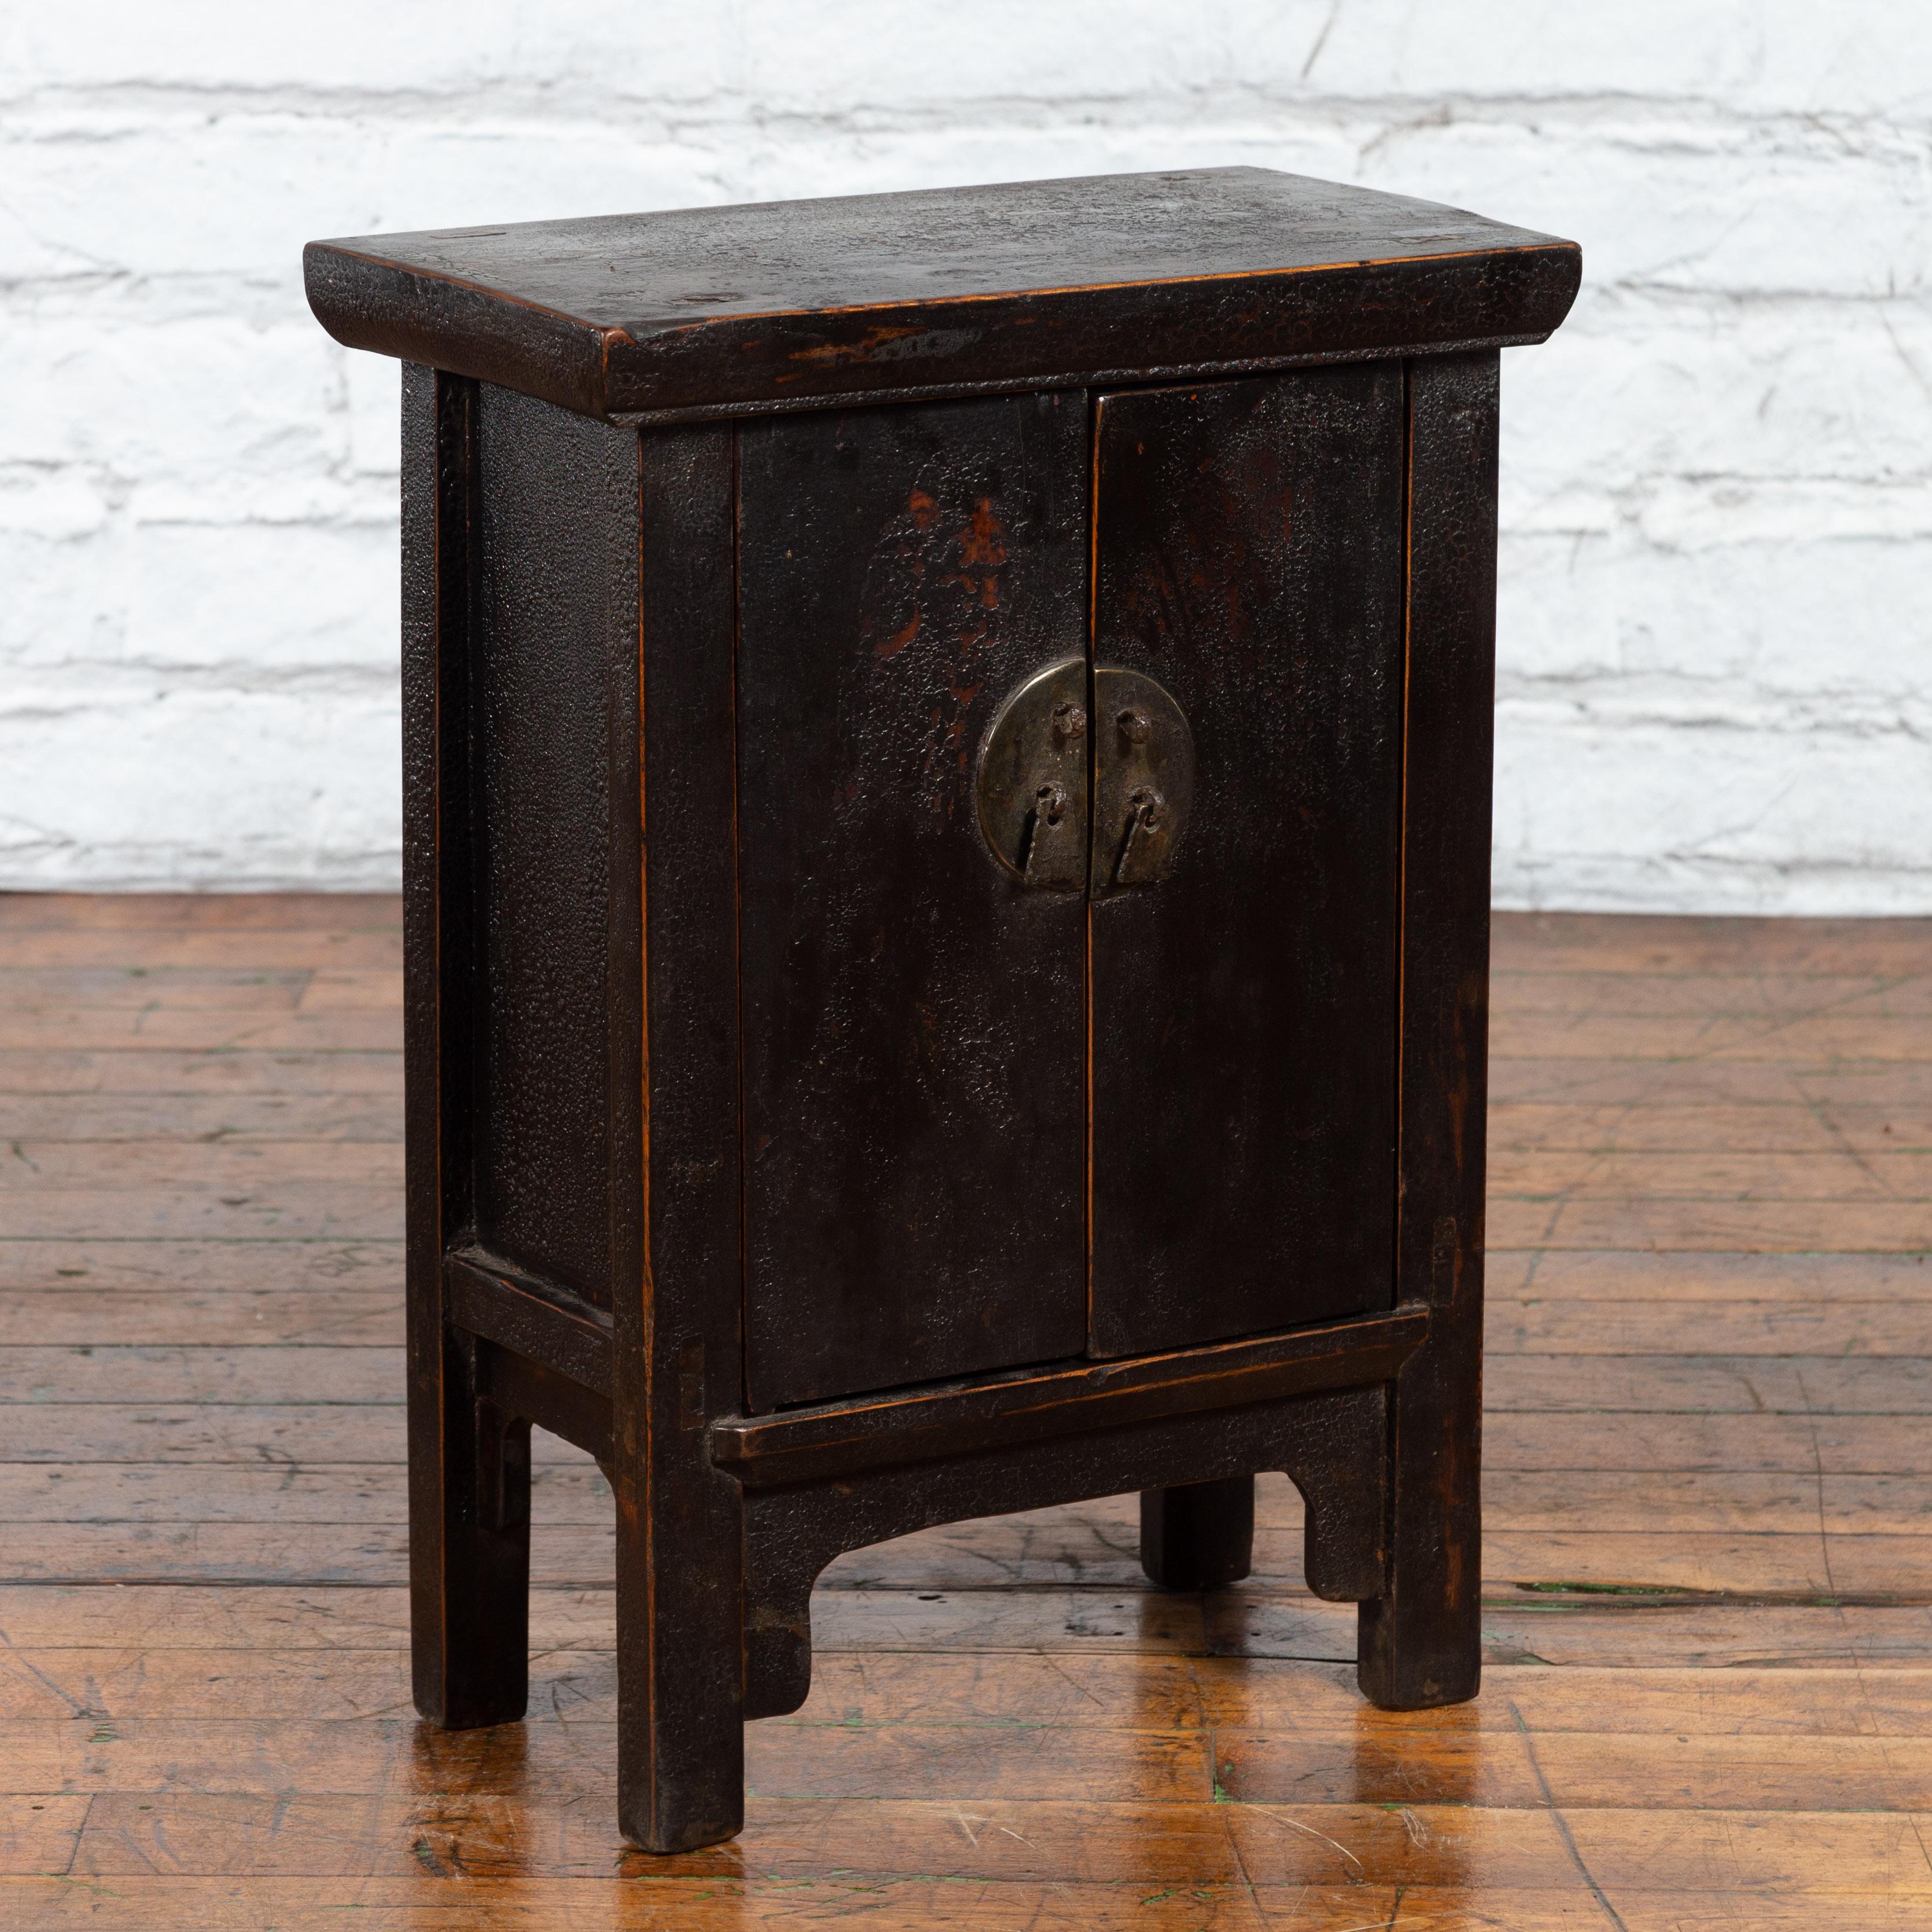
(912,1013)
(555,605)
(1247,556)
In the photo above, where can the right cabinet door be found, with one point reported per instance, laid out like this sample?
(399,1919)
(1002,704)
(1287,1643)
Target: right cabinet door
(1248,555)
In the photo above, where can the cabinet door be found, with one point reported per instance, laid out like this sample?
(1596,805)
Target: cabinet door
(1248,557)
(913,1064)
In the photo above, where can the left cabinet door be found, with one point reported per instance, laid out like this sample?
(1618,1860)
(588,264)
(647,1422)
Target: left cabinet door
(912,1014)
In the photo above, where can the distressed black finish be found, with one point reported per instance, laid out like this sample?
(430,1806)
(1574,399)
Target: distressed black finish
(913,1082)
(556,577)
(829,1442)
(1248,555)
(530,1316)
(1420,1641)
(469,1567)
(1027,285)
(1330,1445)
(679,1335)
(787,1125)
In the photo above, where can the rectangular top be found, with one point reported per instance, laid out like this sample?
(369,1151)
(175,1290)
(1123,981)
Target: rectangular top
(788,304)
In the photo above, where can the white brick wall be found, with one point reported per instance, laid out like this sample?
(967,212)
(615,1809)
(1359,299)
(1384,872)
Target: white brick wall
(1717,657)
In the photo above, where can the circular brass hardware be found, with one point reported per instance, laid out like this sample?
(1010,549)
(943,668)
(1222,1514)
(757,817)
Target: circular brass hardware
(1033,781)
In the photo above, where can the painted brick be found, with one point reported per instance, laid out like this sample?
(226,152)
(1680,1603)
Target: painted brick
(1715,655)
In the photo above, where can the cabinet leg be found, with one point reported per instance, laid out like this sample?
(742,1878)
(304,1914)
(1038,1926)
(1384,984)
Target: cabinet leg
(469,1549)
(680,1657)
(1419,1643)
(1198,1536)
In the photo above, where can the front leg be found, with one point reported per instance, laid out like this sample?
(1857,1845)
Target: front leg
(1420,1642)
(680,1645)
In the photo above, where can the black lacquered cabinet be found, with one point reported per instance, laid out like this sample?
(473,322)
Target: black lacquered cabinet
(947,751)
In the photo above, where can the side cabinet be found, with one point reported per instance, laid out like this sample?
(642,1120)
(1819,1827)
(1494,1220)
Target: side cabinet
(947,879)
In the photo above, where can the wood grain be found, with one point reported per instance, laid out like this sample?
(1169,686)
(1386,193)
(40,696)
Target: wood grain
(1707,1625)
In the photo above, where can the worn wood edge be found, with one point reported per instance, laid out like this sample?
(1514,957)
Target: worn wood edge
(521,1312)
(921,1424)
(366,301)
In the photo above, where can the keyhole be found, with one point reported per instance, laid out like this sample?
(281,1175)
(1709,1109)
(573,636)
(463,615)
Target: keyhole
(1049,808)
(1140,846)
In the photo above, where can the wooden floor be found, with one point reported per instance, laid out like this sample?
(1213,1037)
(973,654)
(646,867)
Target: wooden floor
(1708,1698)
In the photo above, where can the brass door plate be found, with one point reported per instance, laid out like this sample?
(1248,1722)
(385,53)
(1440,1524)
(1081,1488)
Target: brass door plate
(1033,779)
(1043,762)
(1144,779)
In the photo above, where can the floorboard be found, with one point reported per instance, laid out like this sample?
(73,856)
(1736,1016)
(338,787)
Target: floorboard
(1707,1696)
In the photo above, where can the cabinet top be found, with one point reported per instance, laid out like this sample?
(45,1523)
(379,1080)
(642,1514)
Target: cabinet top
(790,304)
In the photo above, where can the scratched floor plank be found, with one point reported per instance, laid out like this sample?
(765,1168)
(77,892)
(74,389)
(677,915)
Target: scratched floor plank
(1708,1618)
